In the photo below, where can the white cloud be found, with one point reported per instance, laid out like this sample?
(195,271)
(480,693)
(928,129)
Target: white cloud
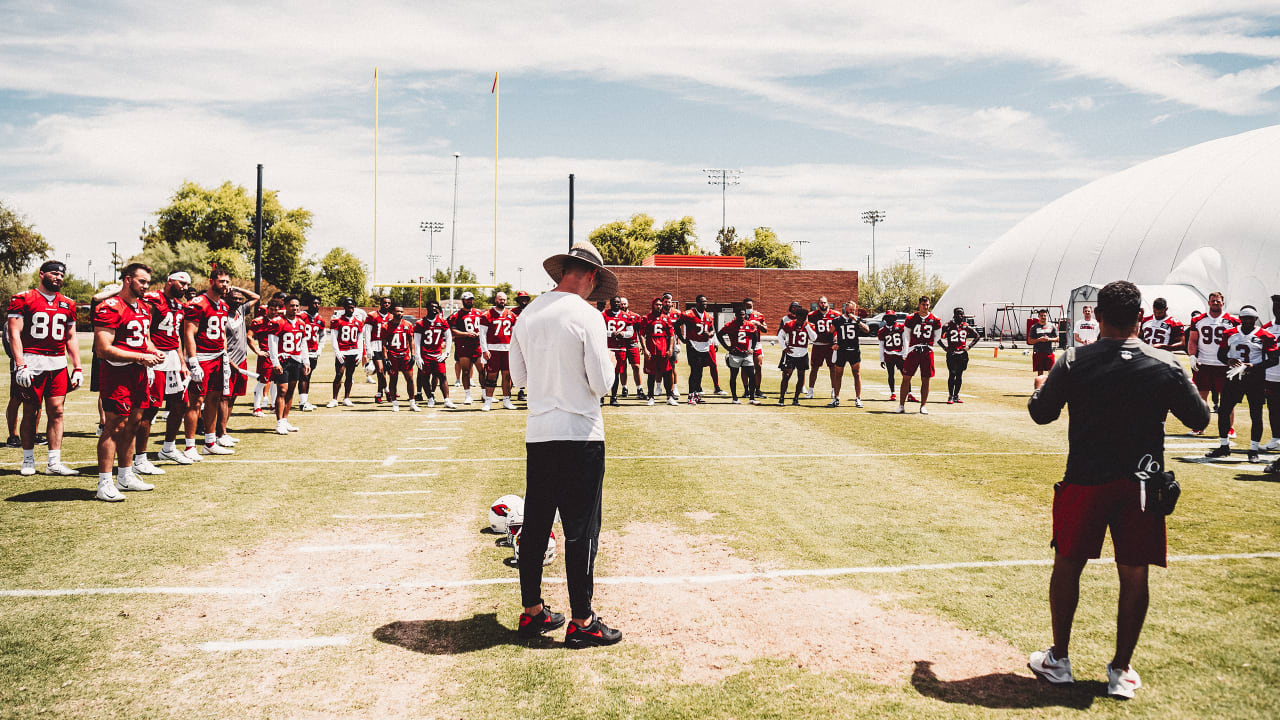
(1079,104)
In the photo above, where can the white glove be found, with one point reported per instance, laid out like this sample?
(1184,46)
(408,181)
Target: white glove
(1235,372)
(77,378)
(197,373)
(24,376)
(1195,365)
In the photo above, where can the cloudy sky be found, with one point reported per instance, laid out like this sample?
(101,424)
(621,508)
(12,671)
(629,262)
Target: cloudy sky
(957,119)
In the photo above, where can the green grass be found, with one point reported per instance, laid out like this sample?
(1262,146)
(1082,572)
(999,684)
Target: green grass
(423,652)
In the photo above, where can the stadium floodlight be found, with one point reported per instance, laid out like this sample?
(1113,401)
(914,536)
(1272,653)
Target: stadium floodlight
(800,250)
(724,178)
(923,254)
(873,217)
(431,227)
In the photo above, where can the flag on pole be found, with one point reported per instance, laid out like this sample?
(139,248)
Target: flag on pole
(494,89)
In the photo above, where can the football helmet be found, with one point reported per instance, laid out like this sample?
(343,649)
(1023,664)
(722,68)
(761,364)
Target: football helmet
(501,509)
(547,557)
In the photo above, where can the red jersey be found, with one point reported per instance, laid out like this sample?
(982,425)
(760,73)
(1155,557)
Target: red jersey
(132,324)
(621,326)
(346,330)
(166,320)
(47,322)
(821,322)
(1209,332)
(1252,348)
(209,317)
(315,331)
(743,336)
(795,336)
(657,329)
(1161,332)
(397,338)
(376,321)
(466,321)
(890,337)
(496,325)
(922,332)
(291,337)
(698,326)
(435,337)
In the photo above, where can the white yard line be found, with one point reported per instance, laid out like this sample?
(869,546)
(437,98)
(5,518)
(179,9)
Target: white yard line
(392,516)
(621,580)
(391,460)
(406,475)
(274,644)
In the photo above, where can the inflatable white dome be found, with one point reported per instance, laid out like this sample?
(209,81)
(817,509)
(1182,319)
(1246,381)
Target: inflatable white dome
(1202,219)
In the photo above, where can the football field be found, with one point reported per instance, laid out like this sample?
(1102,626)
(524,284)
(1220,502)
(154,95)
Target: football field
(779,562)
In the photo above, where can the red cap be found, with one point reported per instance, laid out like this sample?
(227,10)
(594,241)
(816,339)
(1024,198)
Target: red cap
(522,294)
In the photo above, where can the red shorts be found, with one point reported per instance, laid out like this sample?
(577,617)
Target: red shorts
(917,360)
(124,388)
(624,356)
(658,365)
(212,380)
(1082,514)
(1042,362)
(466,349)
(820,355)
(50,383)
(499,361)
(264,368)
(155,391)
(239,381)
(397,363)
(1210,377)
(431,365)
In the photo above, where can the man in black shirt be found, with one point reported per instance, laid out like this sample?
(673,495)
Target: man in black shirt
(957,338)
(846,329)
(1119,391)
(1042,337)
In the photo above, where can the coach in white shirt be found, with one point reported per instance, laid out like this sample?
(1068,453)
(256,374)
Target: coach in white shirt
(1086,329)
(559,351)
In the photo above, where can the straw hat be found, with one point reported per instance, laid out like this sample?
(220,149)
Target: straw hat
(606,281)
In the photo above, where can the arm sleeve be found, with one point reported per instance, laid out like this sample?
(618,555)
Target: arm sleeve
(1185,403)
(1270,359)
(782,340)
(1222,353)
(417,345)
(1047,402)
(597,359)
(484,338)
(515,360)
(273,348)
(333,338)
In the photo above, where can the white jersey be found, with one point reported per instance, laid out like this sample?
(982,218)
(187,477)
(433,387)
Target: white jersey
(1160,331)
(1209,332)
(1087,330)
(1273,373)
(1251,348)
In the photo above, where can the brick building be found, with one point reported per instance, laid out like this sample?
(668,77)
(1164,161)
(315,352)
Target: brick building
(773,290)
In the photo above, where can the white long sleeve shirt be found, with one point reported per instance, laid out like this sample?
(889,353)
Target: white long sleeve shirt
(560,352)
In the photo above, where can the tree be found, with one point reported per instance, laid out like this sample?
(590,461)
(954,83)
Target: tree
(898,287)
(625,243)
(765,250)
(341,274)
(727,239)
(282,247)
(677,237)
(20,244)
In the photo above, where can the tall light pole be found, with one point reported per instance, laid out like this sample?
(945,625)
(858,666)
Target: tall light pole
(923,254)
(724,178)
(431,227)
(89,272)
(114,247)
(800,249)
(520,278)
(453,231)
(873,217)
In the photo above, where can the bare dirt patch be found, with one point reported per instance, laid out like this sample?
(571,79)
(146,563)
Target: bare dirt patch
(712,630)
(701,515)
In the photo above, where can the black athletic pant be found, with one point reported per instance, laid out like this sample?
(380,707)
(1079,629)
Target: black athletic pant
(567,475)
(1255,392)
(1273,406)
(697,361)
(956,365)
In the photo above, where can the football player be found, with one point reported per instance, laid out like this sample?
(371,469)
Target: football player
(795,333)
(821,320)
(345,331)
(740,338)
(240,305)
(522,302)
(1204,337)
(1043,338)
(659,350)
(287,348)
(166,307)
(315,332)
(465,326)
(892,347)
(41,332)
(846,329)
(495,341)
(697,327)
(923,329)
(206,346)
(397,351)
(633,350)
(750,306)
(122,339)
(674,318)
(431,350)
(957,338)
(1249,351)
(1273,385)
(1162,331)
(373,325)
(621,328)
(260,330)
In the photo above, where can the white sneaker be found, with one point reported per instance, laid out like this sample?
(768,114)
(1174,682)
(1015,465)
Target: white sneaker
(808,393)
(307,407)
(506,404)
(901,409)
(413,405)
(1122,683)
(62,469)
(650,402)
(449,404)
(216,449)
(193,454)
(457,383)
(145,467)
(28,468)
(395,406)
(857,402)
(677,395)
(1049,668)
(282,428)
(332,403)
(721,392)
(488,405)
(672,400)
(227,441)
(174,456)
(431,401)
(1272,446)
(466,398)
(348,403)
(107,491)
(131,482)
(924,410)
(291,426)
(162,416)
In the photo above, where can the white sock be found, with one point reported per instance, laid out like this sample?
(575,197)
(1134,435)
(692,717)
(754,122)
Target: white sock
(55,456)
(210,438)
(1253,444)
(257,396)
(139,457)
(170,447)
(104,478)
(190,443)
(302,398)
(122,472)
(273,393)
(29,456)
(1224,442)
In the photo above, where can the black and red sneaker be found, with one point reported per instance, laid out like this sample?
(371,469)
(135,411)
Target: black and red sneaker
(593,635)
(532,626)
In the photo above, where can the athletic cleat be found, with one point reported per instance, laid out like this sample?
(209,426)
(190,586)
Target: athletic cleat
(1051,669)
(755,401)
(1219,452)
(924,410)
(640,395)
(377,399)
(16,442)
(449,404)
(893,396)
(488,404)
(624,391)
(782,401)
(735,401)
(282,428)
(348,403)
(257,412)
(307,407)
(28,468)
(951,401)
(673,400)
(413,406)
(431,401)
(193,454)
(593,635)
(216,449)
(506,404)
(107,491)
(721,392)
(1274,467)
(613,402)
(62,469)
(466,398)
(531,626)
(795,401)
(457,383)
(291,426)
(227,441)
(133,484)
(808,393)
(42,439)
(395,406)
(835,402)
(911,397)
(174,455)
(650,402)
(1272,446)
(693,399)
(959,401)
(520,394)
(145,467)
(1253,456)
(418,396)
(1196,433)
(857,402)
(902,409)
(1122,683)
(1230,435)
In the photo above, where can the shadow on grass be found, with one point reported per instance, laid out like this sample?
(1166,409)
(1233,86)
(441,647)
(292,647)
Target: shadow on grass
(1258,477)
(454,637)
(1005,691)
(53,495)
